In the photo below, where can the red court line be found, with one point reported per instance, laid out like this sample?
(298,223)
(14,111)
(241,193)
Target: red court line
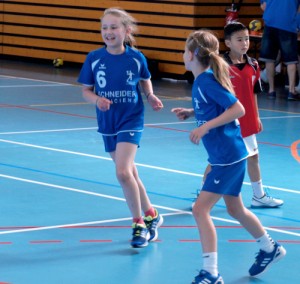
(294,150)
(5,243)
(146,125)
(50,111)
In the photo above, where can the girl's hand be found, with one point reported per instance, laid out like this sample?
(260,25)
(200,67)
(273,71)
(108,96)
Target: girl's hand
(103,103)
(198,133)
(182,113)
(155,102)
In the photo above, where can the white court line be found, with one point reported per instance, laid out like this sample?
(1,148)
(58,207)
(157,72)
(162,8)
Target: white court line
(32,86)
(36,80)
(80,224)
(86,128)
(138,164)
(177,211)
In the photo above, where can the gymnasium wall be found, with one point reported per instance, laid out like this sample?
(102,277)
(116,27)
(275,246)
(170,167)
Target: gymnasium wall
(69,29)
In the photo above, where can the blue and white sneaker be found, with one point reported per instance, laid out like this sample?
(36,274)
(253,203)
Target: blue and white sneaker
(140,237)
(152,225)
(266,201)
(205,277)
(263,260)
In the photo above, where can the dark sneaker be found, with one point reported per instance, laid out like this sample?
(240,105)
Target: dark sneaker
(263,260)
(205,277)
(272,95)
(140,236)
(292,97)
(153,224)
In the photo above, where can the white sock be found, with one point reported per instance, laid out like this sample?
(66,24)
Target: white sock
(258,190)
(210,262)
(266,243)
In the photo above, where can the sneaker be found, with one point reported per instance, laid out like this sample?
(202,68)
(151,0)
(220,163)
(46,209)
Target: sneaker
(205,277)
(152,225)
(263,260)
(292,97)
(140,236)
(297,88)
(272,95)
(266,202)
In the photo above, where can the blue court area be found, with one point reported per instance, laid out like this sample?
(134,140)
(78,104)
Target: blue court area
(63,218)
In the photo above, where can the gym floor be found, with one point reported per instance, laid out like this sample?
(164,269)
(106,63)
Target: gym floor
(63,215)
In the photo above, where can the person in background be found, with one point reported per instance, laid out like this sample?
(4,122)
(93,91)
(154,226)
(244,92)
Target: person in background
(280,33)
(111,77)
(245,77)
(216,110)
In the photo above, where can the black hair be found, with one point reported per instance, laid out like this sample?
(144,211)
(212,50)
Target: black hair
(232,28)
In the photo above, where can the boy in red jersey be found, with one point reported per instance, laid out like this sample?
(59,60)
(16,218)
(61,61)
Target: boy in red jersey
(245,77)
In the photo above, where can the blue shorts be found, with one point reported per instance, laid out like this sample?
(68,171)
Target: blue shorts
(226,180)
(110,142)
(274,40)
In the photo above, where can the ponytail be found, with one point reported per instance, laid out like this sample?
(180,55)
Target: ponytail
(205,46)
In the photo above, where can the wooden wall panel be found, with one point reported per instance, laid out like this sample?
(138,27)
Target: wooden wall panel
(69,29)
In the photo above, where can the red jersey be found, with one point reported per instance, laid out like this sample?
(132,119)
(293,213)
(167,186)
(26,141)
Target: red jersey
(245,78)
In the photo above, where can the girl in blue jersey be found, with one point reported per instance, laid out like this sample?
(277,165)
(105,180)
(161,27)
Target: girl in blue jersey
(216,110)
(112,77)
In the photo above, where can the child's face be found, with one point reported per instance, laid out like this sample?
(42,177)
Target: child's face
(113,31)
(239,42)
(187,59)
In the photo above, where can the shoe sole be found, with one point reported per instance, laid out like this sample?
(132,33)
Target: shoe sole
(144,244)
(266,206)
(158,225)
(282,255)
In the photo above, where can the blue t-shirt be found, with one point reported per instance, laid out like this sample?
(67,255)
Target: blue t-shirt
(116,77)
(224,144)
(281,14)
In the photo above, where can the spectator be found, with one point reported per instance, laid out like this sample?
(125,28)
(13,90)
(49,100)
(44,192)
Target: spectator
(280,33)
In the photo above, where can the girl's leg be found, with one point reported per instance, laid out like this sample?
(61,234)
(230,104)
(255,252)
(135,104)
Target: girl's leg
(145,202)
(248,220)
(201,212)
(270,251)
(124,161)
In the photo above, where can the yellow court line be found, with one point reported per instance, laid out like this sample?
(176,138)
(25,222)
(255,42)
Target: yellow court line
(66,104)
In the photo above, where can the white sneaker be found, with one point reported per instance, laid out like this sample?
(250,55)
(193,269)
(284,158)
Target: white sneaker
(265,202)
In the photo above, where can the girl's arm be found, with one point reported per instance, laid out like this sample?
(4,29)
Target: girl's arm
(152,99)
(235,111)
(257,113)
(183,113)
(102,103)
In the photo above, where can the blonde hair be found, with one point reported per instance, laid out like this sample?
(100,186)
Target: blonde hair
(127,21)
(205,46)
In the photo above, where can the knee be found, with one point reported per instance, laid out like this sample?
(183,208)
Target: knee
(122,175)
(233,212)
(199,211)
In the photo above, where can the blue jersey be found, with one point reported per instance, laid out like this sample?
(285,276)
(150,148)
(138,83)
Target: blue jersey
(116,77)
(224,144)
(281,14)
